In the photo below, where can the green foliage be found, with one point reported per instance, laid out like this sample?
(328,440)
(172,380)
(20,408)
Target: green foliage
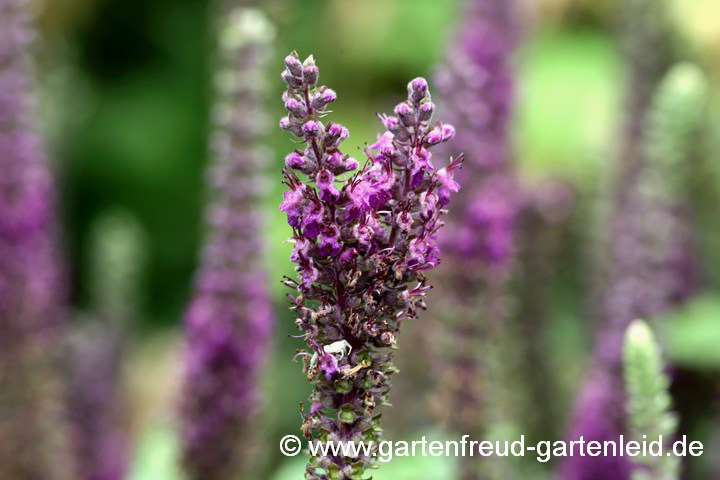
(693,333)
(569,105)
(156,456)
(648,402)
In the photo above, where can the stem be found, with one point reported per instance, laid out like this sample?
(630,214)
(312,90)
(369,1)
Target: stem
(306,92)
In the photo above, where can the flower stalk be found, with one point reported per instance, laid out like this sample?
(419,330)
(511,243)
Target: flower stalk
(476,92)
(98,403)
(33,436)
(648,408)
(229,320)
(364,236)
(649,264)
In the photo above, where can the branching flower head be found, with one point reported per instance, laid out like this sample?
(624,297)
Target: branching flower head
(363,237)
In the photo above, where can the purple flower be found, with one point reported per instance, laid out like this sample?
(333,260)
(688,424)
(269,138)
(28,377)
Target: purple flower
(421,161)
(447,186)
(314,218)
(328,365)
(309,274)
(329,240)
(384,142)
(294,204)
(324,182)
(359,245)
(228,323)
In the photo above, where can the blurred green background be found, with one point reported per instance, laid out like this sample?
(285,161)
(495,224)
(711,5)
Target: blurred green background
(126,107)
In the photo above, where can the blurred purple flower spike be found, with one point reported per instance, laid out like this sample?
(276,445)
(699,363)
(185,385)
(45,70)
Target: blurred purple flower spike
(228,323)
(32,299)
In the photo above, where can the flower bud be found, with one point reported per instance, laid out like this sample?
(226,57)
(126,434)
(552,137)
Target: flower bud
(310,129)
(350,164)
(448,132)
(394,126)
(290,126)
(417,90)
(295,160)
(434,137)
(391,123)
(335,134)
(336,160)
(402,135)
(293,82)
(425,112)
(338,163)
(292,62)
(310,71)
(296,107)
(321,99)
(405,113)
(285,123)
(310,75)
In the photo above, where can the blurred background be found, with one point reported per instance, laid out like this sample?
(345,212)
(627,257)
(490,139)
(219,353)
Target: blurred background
(125,102)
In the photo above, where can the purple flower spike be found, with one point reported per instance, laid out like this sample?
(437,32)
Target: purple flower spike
(362,245)
(475,92)
(228,323)
(649,234)
(32,434)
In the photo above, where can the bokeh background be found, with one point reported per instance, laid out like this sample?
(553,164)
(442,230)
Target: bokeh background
(125,101)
